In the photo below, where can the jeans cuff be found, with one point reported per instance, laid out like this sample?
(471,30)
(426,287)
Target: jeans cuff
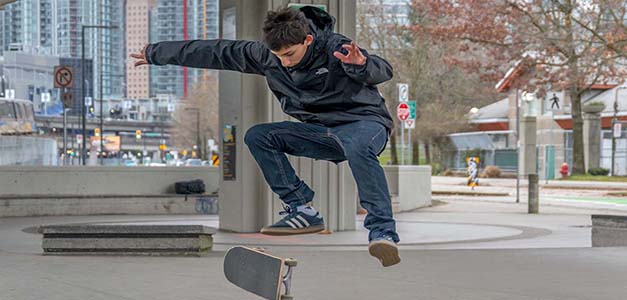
(299,197)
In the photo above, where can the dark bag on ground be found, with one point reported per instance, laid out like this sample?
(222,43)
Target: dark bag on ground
(189,187)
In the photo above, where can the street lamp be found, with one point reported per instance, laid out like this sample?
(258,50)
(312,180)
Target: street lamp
(614,122)
(83,110)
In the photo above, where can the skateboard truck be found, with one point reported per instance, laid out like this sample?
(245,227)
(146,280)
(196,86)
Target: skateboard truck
(287,279)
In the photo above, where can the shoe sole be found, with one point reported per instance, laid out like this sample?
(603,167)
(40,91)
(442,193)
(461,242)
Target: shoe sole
(385,251)
(292,231)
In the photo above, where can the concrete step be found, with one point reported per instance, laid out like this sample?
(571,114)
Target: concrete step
(108,239)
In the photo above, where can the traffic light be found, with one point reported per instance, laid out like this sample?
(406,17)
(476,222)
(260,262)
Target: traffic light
(96,131)
(138,134)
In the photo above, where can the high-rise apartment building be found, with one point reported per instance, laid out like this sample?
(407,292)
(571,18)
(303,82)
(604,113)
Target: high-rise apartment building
(53,27)
(137,36)
(180,20)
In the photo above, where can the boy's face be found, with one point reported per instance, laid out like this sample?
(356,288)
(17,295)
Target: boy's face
(291,55)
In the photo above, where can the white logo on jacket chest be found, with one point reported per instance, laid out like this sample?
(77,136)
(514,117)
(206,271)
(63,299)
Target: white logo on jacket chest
(322,71)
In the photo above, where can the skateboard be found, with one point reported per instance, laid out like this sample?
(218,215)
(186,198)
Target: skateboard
(259,273)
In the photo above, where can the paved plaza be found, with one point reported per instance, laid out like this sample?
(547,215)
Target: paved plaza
(461,249)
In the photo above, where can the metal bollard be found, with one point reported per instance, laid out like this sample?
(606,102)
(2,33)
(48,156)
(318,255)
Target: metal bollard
(533,201)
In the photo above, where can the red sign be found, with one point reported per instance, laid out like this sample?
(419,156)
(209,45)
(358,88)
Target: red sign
(402,111)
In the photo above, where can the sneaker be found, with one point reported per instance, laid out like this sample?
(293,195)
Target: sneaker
(295,223)
(384,248)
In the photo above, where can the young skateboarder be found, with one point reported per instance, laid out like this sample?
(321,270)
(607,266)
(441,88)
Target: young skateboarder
(328,83)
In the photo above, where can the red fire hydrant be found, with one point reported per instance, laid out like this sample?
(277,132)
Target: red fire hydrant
(564,170)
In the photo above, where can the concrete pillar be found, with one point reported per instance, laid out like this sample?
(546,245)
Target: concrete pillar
(246,201)
(592,139)
(533,203)
(527,157)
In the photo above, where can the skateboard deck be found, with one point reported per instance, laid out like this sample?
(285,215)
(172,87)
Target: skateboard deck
(258,272)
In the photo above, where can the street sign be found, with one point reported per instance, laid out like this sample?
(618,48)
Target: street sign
(412,109)
(79,139)
(402,111)
(410,124)
(63,77)
(403,92)
(9,93)
(618,128)
(68,100)
(45,98)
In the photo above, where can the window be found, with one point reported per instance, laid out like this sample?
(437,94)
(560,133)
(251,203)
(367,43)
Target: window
(6,110)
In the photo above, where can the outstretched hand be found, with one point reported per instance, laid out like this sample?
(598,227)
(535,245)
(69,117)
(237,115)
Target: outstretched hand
(141,57)
(354,56)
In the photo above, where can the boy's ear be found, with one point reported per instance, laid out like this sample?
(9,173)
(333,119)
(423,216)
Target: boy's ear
(309,39)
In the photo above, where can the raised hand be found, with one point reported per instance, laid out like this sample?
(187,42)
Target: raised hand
(354,56)
(141,57)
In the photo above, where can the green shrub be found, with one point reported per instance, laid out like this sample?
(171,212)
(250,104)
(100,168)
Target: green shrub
(598,172)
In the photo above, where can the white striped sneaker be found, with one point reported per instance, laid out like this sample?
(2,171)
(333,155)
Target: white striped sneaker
(295,223)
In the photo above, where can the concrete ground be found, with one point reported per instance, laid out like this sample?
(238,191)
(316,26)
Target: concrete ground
(464,249)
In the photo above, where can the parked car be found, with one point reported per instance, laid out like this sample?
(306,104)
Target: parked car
(193,162)
(130,163)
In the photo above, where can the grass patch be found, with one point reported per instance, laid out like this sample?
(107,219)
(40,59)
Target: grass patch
(386,156)
(591,199)
(597,178)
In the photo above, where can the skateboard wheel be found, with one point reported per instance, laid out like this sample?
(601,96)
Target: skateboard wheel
(286,297)
(290,262)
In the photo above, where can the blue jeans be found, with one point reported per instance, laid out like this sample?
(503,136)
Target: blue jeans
(359,143)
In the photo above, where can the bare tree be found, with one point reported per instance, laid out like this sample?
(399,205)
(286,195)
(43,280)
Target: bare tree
(444,91)
(196,118)
(559,43)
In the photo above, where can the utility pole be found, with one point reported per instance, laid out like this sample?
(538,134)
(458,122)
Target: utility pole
(517,148)
(614,122)
(83,110)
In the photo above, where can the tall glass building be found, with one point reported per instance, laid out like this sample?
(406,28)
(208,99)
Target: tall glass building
(53,27)
(180,20)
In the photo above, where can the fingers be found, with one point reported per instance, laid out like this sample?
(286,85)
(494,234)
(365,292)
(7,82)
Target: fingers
(141,62)
(141,56)
(340,56)
(137,56)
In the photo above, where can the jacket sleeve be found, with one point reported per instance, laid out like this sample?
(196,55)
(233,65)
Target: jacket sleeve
(243,56)
(376,70)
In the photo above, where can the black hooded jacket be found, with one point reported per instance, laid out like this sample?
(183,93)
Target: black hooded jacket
(320,89)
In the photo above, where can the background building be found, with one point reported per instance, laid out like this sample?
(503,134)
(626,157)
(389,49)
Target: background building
(180,20)
(137,35)
(53,27)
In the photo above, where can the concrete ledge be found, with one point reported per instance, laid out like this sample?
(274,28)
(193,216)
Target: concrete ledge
(609,231)
(78,180)
(81,205)
(170,240)
(410,186)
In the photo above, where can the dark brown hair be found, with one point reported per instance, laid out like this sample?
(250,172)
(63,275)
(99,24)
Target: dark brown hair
(284,27)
